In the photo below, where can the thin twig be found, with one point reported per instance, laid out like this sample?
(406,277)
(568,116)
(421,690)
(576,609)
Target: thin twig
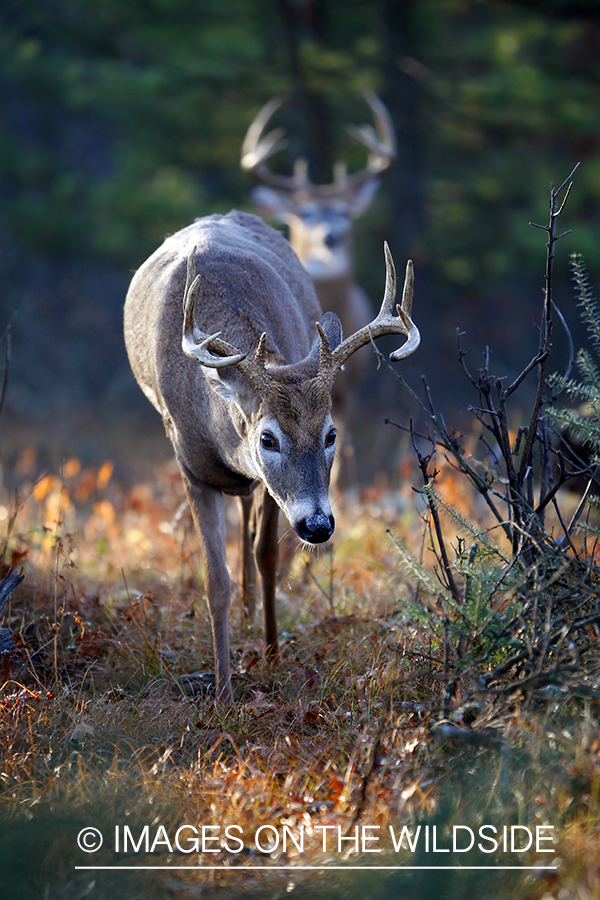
(427,478)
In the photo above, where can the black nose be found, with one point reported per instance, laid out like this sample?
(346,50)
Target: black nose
(331,239)
(315,529)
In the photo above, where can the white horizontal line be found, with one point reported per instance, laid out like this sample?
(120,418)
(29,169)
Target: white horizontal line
(324,867)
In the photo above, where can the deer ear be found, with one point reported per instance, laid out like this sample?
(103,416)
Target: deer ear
(332,327)
(230,385)
(272,203)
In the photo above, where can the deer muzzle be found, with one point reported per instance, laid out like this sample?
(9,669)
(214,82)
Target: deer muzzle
(315,529)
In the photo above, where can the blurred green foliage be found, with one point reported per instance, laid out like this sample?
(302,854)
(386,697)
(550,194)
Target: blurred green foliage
(122,116)
(122,120)
(515,96)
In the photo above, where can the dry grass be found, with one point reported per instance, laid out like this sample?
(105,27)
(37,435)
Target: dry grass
(99,728)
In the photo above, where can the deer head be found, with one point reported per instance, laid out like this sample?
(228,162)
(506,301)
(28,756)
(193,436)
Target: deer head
(286,409)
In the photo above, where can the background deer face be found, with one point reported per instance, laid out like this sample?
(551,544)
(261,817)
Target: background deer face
(320,227)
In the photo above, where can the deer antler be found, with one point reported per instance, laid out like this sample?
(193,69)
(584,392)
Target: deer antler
(257,149)
(210,350)
(379,141)
(330,361)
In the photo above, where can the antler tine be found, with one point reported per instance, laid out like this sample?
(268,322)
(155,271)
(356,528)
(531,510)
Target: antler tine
(269,146)
(379,141)
(195,343)
(255,369)
(405,312)
(408,289)
(210,350)
(256,149)
(253,136)
(327,364)
(386,145)
(389,294)
(385,323)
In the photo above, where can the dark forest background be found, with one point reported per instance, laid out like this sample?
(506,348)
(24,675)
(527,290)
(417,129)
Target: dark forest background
(122,120)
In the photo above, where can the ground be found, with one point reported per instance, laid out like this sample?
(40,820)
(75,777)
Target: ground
(360,730)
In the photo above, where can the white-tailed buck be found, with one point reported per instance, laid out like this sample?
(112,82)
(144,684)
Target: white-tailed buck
(223,335)
(319,218)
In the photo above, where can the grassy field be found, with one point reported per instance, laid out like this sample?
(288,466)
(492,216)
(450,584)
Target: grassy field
(378,715)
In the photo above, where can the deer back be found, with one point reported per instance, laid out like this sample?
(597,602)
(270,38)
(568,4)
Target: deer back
(250,283)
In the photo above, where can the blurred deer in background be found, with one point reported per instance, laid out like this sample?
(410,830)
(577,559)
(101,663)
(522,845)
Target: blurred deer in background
(319,218)
(255,414)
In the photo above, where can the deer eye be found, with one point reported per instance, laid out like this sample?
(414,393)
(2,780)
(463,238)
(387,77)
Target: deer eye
(330,439)
(268,441)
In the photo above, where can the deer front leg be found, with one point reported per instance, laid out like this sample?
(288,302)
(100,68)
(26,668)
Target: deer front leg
(247,537)
(267,555)
(208,512)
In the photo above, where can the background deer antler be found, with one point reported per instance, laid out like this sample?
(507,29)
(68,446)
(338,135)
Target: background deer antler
(379,141)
